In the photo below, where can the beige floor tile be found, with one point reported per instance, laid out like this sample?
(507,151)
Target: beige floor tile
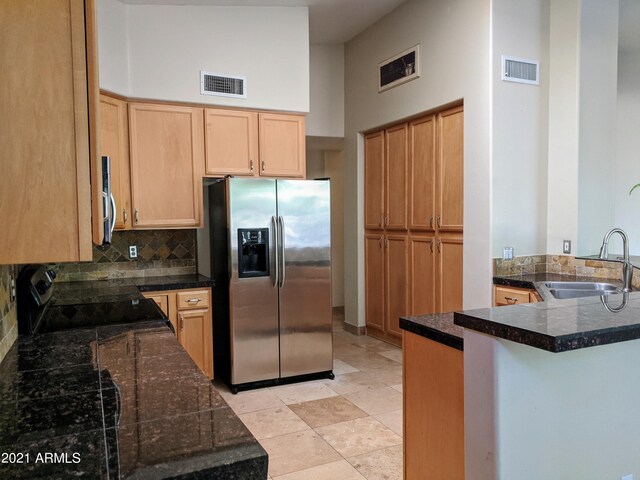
(358,436)
(297,451)
(353,382)
(395,354)
(253,400)
(341,470)
(340,367)
(303,392)
(327,411)
(366,360)
(381,465)
(397,387)
(388,376)
(376,400)
(273,422)
(391,420)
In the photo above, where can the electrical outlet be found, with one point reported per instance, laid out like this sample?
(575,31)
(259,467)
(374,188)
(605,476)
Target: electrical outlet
(12,293)
(133,251)
(566,246)
(507,253)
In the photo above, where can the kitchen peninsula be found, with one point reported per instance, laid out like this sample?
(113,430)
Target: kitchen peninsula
(551,389)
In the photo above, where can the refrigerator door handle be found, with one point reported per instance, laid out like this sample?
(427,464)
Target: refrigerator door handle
(274,224)
(282,247)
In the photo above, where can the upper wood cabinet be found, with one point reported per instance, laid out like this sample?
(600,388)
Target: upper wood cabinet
(114,142)
(167,165)
(282,145)
(422,141)
(374,180)
(396,178)
(231,142)
(245,143)
(450,189)
(45,152)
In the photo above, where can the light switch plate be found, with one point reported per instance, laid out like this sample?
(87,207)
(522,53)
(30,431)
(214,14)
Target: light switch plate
(133,251)
(507,253)
(566,246)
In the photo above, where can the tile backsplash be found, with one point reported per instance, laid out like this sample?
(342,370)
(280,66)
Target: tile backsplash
(8,310)
(563,264)
(160,252)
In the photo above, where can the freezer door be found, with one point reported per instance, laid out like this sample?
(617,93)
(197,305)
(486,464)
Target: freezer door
(253,300)
(305,291)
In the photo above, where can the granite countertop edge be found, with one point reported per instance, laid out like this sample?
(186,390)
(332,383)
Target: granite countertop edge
(438,327)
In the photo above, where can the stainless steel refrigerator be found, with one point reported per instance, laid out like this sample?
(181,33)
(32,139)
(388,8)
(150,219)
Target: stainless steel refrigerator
(271,260)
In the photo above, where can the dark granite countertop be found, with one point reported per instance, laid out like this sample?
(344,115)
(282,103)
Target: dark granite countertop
(438,327)
(126,401)
(99,291)
(560,325)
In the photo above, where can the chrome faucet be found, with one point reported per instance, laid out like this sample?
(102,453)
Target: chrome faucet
(627,267)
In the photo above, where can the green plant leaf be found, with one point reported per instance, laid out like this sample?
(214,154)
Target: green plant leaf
(633,188)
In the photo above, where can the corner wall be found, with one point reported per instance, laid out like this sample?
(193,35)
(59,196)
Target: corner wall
(454,40)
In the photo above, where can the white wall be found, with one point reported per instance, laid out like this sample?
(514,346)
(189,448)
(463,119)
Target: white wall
(454,40)
(113,46)
(520,129)
(169,45)
(627,163)
(326,91)
(564,61)
(571,415)
(597,121)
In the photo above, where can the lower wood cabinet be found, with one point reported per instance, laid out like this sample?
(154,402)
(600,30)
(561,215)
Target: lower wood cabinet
(189,311)
(513,296)
(433,396)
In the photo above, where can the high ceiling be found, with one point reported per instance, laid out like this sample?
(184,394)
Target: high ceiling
(330,21)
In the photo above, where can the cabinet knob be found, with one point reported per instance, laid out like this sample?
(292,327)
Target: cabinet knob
(386,220)
(263,166)
(386,242)
(251,165)
(431,221)
(511,300)
(438,221)
(136,216)
(431,246)
(439,246)
(181,318)
(124,216)
(380,242)
(193,300)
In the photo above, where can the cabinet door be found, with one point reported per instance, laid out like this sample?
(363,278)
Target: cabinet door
(422,158)
(374,280)
(374,180)
(423,269)
(167,302)
(450,169)
(282,145)
(396,282)
(396,178)
(195,335)
(114,142)
(433,395)
(449,273)
(231,142)
(167,162)
(44,139)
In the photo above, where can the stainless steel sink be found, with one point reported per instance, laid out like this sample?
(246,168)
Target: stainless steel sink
(561,290)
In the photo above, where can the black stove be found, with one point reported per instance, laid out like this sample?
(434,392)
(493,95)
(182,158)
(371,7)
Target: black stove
(39,312)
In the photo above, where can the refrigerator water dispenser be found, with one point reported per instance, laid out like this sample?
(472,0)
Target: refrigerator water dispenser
(253,252)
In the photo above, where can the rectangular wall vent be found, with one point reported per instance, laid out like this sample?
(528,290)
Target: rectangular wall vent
(520,70)
(222,85)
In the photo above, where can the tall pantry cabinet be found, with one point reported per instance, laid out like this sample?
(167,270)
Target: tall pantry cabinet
(413,220)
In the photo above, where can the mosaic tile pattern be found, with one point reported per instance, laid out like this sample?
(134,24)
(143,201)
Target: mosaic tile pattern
(8,310)
(563,264)
(160,252)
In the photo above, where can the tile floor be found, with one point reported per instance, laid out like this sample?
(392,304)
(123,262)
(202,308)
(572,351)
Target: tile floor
(349,428)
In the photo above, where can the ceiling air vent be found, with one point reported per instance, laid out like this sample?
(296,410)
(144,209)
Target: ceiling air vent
(222,85)
(520,70)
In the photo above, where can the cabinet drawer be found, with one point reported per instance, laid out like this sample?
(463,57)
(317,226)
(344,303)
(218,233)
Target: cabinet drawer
(193,299)
(510,296)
